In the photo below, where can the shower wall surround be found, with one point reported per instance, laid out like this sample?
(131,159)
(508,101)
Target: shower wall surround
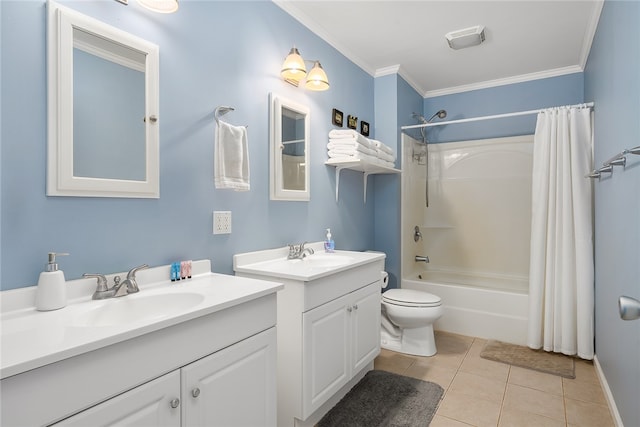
(478,222)
(211,53)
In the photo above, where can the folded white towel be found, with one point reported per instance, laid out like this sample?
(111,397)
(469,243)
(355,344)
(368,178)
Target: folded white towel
(355,156)
(380,146)
(385,156)
(343,133)
(231,157)
(350,133)
(351,147)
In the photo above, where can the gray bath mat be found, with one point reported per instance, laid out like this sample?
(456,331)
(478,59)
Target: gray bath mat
(385,399)
(524,357)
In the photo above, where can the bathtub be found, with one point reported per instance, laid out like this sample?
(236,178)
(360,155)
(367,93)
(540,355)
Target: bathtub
(478,306)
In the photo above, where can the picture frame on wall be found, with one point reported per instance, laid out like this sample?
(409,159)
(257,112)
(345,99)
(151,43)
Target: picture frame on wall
(337,117)
(352,122)
(364,128)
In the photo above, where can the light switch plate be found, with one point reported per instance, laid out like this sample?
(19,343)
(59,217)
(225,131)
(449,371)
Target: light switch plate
(221,222)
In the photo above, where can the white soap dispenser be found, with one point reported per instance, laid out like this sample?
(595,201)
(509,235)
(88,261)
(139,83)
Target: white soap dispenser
(51,293)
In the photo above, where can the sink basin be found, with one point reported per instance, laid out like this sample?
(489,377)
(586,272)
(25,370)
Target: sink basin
(327,260)
(136,308)
(274,262)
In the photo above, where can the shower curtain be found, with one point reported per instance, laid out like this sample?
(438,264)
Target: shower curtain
(561,271)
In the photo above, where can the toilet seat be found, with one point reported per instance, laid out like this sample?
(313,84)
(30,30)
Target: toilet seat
(410,298)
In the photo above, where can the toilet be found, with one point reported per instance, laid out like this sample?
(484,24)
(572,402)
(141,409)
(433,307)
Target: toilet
(407,321)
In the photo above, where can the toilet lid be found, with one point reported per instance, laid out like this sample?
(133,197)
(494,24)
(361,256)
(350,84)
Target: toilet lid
(410,297)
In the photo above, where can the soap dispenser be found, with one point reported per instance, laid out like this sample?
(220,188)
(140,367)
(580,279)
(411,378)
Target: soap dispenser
(329,244)
(51,293)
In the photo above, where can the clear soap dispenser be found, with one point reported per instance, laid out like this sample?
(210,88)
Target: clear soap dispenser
(51,293)
(329,244)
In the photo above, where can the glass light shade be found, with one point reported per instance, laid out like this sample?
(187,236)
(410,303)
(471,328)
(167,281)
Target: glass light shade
(293,69)
(161,6)
(317,78)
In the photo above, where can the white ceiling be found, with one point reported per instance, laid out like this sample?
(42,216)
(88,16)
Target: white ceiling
(525,39)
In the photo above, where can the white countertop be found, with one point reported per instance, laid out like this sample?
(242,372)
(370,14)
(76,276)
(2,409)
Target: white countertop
(274,263)
(30,339)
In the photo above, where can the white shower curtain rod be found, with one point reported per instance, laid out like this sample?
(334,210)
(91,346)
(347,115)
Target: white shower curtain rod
(495,116)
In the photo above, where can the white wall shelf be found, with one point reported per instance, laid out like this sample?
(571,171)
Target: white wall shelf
(361,166)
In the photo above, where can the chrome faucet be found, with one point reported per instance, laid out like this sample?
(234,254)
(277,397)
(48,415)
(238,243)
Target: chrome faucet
(130,281)
(299,251)
(120,288)
(420,258)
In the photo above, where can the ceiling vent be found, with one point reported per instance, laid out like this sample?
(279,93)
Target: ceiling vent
(467,37)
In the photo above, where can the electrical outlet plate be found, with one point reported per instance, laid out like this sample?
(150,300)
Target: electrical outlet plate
(222,222)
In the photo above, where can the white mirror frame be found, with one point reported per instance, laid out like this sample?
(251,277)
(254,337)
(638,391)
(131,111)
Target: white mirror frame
(276,184)
(60,43)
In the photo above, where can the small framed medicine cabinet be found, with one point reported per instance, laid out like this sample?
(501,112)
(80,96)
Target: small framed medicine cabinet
(289,150)
(102,109)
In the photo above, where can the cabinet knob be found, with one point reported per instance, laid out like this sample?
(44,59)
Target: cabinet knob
(175,403)
(349,309)
(195,392)
(355,306)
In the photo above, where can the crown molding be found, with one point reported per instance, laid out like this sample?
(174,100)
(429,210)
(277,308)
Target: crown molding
(397,69)
(590,33)
(505,81)
(385,71)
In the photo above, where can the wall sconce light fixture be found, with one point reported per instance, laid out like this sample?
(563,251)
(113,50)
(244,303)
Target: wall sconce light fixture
(294,70)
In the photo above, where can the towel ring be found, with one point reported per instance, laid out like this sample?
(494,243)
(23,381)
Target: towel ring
(221,111)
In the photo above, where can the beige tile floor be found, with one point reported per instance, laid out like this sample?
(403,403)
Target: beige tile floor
(480,392)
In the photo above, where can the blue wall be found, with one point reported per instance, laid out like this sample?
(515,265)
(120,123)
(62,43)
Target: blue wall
(211,53)
(612,80)
(531,95)
(395,100)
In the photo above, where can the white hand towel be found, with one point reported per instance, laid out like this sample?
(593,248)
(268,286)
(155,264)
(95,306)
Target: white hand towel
(231,157)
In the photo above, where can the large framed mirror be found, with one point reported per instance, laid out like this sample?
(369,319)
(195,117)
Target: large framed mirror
(103,137)
(289,150)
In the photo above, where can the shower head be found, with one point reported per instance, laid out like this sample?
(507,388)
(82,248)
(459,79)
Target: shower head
(441,114)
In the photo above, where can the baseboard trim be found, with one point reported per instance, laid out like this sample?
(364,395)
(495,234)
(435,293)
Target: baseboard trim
(607,392)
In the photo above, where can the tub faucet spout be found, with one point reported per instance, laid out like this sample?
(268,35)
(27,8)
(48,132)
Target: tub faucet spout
(420,258)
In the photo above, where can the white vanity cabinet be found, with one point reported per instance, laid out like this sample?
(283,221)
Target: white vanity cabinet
(211,364)
(232,387)
(146,405)
(339,339)
(328,326)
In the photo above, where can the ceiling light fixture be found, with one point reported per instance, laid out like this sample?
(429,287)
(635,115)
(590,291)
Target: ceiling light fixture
(161,6)
(466,37)
(293,71)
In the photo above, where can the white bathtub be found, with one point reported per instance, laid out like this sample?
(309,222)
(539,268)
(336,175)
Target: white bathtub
(499,312)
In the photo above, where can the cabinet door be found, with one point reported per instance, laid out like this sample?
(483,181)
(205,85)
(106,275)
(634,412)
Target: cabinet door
(325,352)
(150,404)
(366,325)
(233,387)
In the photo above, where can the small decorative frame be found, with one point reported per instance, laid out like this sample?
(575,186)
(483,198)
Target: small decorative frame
(364,128)
(352,122)
(337,117)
